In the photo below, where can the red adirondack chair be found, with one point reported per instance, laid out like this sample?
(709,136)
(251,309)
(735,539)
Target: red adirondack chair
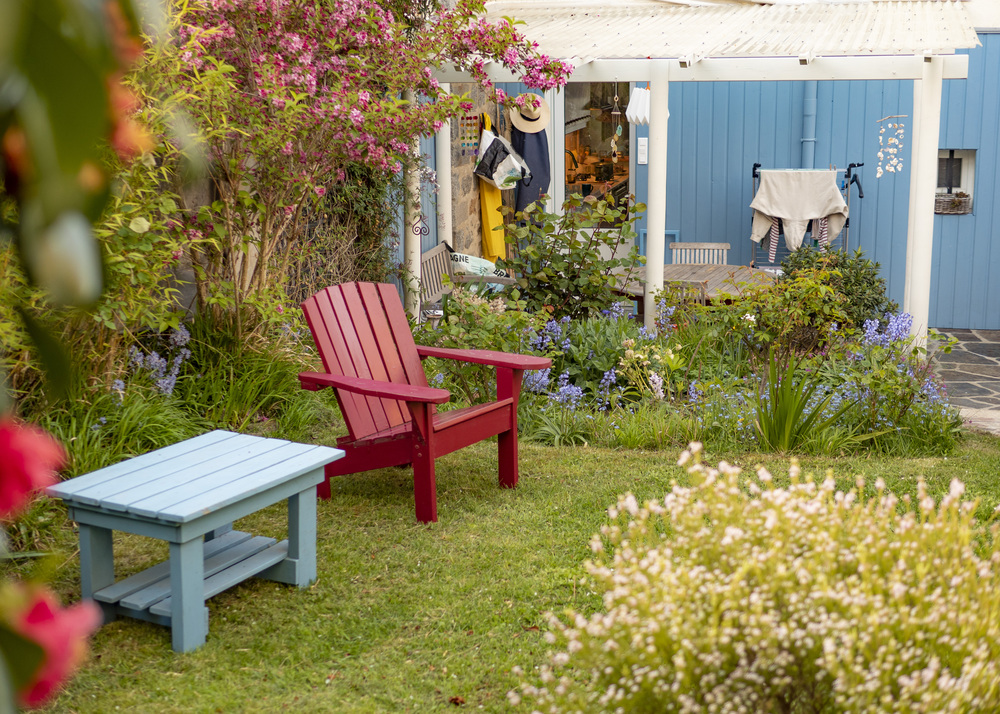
(374,365)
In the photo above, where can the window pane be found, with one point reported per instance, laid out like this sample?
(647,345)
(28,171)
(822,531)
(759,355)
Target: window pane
(597,139)
(949,173)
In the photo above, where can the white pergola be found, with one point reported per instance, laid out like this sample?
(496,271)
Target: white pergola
(666,41)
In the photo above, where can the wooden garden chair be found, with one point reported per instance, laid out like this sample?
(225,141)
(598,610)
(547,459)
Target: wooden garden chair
(372,362)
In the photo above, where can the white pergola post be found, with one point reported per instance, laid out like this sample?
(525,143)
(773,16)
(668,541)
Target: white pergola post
(911,207)
(411,231)
(442,160)
(920,236)
(656,206)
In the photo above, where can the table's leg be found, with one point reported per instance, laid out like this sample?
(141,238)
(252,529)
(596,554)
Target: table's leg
(220,531)
(299,568)
(97,565)
(188,615)
(302,535)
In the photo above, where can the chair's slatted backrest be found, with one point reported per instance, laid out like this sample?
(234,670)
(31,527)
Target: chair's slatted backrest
(700,253)
(357,331)
(434,265)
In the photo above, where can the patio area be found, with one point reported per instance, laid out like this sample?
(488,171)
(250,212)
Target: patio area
(972,372)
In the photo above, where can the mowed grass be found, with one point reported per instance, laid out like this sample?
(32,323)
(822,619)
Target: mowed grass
(410,617)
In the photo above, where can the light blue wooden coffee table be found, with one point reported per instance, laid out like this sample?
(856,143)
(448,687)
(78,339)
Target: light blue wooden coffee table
(189,494)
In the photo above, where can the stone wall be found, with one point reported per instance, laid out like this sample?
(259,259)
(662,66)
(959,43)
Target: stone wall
(466,216)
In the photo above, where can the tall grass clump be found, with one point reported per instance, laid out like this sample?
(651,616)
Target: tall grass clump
(735,594)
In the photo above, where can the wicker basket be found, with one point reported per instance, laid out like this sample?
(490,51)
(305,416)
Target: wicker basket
(947,203)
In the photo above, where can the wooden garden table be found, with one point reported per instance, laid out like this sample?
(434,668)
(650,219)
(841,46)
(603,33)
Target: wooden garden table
(715,280)
(188,494)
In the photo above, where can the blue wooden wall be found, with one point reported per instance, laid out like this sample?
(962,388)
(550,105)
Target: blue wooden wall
(965,288)
(717,132)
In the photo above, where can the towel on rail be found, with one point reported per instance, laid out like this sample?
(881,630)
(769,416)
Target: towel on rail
(797,197)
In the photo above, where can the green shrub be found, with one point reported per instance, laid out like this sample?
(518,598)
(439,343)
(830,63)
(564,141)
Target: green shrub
(562,262)
(853,276)
(472,321)
(733,337)
(736,595)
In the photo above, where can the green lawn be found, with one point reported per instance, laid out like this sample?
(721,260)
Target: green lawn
(406,617)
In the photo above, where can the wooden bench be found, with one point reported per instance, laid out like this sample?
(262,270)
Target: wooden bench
(189,494)
(699,253)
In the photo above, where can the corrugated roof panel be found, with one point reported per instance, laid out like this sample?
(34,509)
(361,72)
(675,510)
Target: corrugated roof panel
(619,29)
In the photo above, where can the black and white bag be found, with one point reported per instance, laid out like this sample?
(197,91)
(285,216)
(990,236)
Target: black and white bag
(498,163)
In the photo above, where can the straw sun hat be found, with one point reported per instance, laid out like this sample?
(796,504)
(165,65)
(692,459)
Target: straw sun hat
(529,119)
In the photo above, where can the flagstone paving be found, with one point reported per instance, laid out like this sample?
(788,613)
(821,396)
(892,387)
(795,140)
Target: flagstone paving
(971,372)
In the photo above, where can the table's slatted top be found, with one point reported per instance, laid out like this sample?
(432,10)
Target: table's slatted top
(718,279)
(181,482)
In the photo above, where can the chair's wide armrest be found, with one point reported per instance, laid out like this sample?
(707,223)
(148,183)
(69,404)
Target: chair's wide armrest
(374,388)
(490,357)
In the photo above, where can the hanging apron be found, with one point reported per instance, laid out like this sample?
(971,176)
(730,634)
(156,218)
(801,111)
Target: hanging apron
(494,245)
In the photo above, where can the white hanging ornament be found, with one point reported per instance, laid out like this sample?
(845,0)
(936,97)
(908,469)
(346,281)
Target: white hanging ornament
(637,111)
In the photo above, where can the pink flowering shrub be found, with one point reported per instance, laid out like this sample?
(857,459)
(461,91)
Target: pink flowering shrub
(735,595)
(29,458)
(61,633)
(35,628)
(286,95)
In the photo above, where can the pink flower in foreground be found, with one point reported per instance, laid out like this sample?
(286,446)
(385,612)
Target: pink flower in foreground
(61,633)
(29,458)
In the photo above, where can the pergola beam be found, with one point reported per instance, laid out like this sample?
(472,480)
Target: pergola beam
(746,69)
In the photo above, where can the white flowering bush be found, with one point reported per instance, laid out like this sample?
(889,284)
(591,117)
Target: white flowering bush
(735,595)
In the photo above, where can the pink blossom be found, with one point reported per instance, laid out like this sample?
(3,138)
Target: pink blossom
(320,190)
(29,458)
(61,633)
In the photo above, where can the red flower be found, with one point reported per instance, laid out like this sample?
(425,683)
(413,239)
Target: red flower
(29,458)
(61,633)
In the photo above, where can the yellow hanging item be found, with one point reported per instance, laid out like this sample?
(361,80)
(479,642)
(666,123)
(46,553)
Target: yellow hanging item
(494,245)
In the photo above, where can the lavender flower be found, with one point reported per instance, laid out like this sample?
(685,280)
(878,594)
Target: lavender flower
(568,395)
(656,382)
(537,381)
(179,336)
(118,391)
(897,330)
(616,312)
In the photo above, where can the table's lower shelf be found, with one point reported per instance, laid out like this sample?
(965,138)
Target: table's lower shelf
(229,559)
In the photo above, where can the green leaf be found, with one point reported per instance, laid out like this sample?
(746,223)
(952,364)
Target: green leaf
(139,224)
(53,357)
(11,17)
(60,63)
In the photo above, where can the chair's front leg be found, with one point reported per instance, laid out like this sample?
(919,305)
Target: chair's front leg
(508,386)
(424,483)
